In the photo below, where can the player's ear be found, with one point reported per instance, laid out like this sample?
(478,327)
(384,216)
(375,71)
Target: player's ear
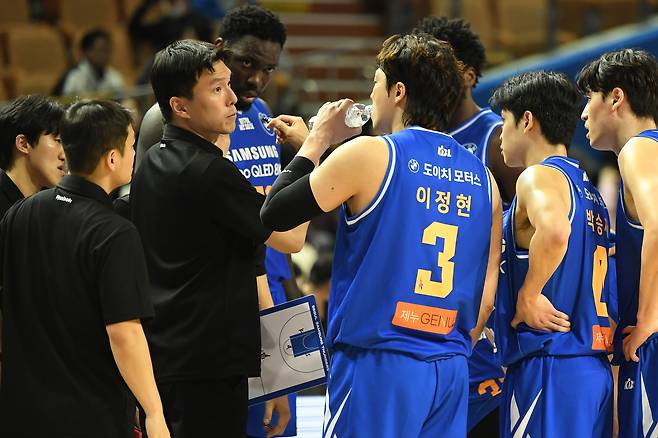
(618,96)
(400,91)
(528,120)
(469,76)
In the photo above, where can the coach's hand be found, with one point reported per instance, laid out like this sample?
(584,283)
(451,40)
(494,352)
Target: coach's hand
(636,336)
(538,312)
(282,408)
(289,129)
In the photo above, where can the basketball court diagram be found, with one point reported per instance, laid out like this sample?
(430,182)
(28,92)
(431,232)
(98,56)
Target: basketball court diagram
(293,354)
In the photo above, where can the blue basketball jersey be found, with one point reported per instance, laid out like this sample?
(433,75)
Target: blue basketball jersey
(630,235)
(475,133)
(409,269)
(578,286)
(611,300)
(255,152)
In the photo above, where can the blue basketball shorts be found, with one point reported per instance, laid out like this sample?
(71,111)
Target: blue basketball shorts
(637,394)
(384,394)
(552,396)
(483,398)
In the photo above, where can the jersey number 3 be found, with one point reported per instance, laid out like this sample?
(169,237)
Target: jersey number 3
(424,283)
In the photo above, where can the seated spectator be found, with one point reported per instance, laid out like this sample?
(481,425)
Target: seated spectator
(93,73)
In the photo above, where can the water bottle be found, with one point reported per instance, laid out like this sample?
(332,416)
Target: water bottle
(357,115)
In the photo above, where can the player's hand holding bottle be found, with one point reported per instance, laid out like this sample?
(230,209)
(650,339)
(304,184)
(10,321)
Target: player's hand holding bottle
(328,128)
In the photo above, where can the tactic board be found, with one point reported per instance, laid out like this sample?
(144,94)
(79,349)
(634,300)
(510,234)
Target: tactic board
(293,352)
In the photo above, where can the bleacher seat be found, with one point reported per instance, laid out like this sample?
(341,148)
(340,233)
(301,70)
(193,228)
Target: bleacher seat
(14,12)
(36,57)
(77,14)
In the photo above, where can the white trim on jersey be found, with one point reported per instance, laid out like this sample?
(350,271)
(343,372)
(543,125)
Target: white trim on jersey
(489,187)
(523,252)
(383,190)
(623,210)
(487,140)
(568,162)
(420,128)
(470,122)
(572,212)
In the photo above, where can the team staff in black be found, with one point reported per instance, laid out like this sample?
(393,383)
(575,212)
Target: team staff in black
(31,154)
(75,289)
(199,220)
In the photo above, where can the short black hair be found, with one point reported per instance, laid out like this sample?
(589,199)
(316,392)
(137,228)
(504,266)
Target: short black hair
(634,71)
(252,20)
(90,38)
(31,116)
(89,129)
(177,67)
(431,74)
(551,97)
(466,43)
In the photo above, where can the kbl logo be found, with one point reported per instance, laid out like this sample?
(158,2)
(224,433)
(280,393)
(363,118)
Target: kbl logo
(443,151)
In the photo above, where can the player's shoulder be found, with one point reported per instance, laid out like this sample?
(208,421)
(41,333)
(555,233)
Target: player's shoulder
(639,148)
(363,147)
(539,177)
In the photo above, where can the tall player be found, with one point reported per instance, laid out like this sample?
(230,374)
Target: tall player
(475,128)
(552,325)
(255,37)
(478,130)
(419,232)
(620,116)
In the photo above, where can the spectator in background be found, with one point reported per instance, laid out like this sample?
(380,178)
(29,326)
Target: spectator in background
(161,22)
(93,73)
(157,23)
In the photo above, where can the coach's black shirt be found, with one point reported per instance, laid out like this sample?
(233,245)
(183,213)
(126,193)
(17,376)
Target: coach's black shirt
(9,193)
(200,224)
(69,266)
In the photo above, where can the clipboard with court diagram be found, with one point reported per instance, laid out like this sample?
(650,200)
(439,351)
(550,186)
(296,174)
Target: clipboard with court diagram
(293,352)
